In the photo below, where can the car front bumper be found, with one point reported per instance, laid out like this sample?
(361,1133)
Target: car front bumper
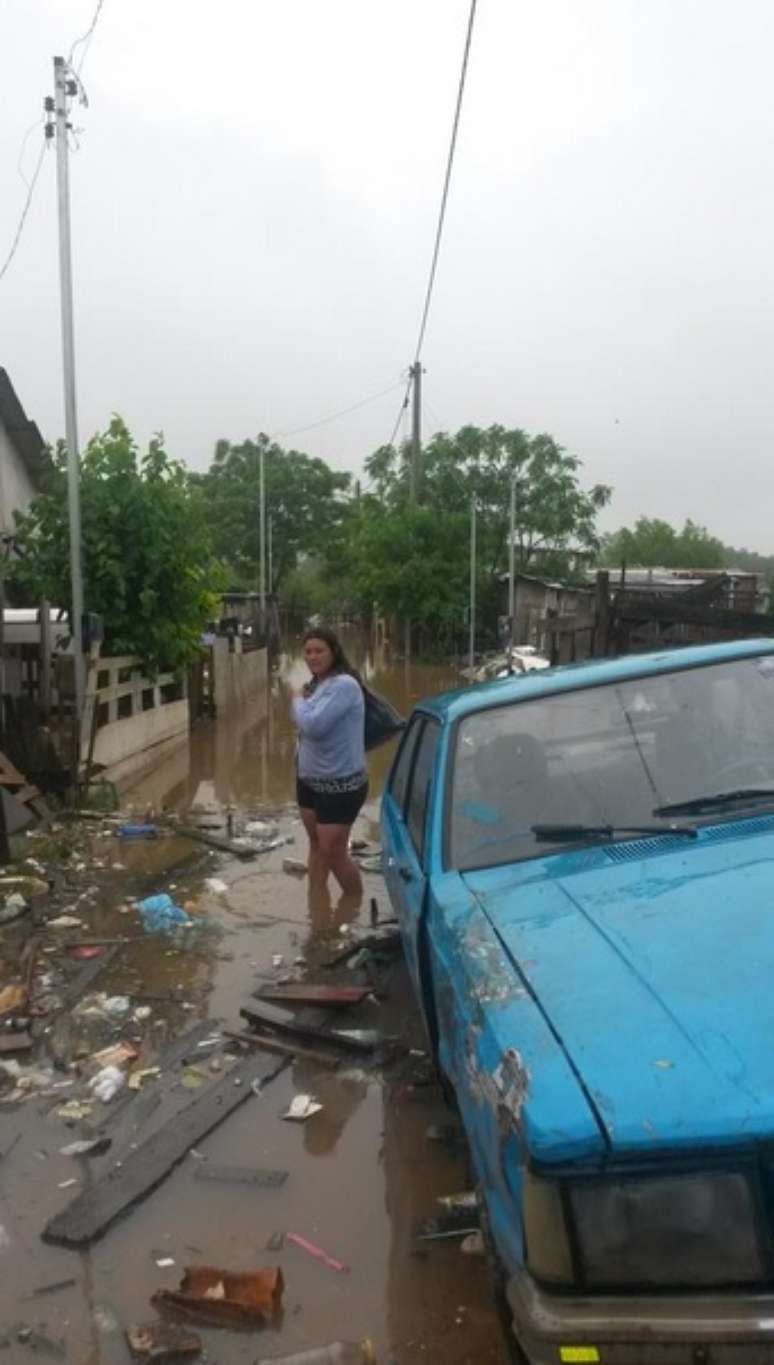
(696,1329)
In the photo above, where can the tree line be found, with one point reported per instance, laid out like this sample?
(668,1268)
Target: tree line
(161,543)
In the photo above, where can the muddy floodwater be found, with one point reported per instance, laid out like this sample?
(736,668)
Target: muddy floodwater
(360,1173)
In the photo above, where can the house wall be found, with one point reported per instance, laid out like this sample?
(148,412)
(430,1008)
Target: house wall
(16,488)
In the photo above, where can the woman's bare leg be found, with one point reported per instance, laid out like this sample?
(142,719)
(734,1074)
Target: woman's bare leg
(333,843)
(317,866)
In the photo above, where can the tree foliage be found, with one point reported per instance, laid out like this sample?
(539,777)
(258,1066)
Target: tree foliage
(304,500)
(148,566)
(652,543)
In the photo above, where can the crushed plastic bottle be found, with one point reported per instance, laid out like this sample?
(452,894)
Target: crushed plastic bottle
(337,1353)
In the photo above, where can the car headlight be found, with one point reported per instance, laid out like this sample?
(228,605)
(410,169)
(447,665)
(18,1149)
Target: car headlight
(678,1231)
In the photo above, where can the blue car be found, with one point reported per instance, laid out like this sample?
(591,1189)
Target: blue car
(582,862)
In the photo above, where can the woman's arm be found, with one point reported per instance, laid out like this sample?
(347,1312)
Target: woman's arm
(317,715)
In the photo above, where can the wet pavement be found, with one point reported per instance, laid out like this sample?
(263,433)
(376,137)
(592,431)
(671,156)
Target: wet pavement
(360,1172)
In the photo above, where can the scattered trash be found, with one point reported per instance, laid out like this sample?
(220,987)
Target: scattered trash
(64,922)
(164,1262)
(67,1184)
(242,1175)
(13,997)
(107,1083)
(277,959)
(160,914)
(457,1222)
(138,831)
(467,1200)
(371,864)
(258,827)
(142,1013)
(162,1341)
(276,1242)
(337,1353)
(138,1078)
(294,867)
(74,1110)
(216,886)
(302,1107)
(86,1147)
(224,1298)
(103,1006)
(313,1250)
(473,1244)
(83,951)
(117,1055)
(262,1015)
(193,1077)
(51,1288)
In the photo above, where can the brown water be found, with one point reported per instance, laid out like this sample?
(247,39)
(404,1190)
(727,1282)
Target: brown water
(360,1172)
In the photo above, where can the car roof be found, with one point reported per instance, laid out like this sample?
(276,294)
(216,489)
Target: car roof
(449,706)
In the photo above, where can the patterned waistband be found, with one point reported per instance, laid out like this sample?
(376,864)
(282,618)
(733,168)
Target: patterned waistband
(334,785)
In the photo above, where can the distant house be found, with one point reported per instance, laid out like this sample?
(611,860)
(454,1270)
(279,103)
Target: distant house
(24,459)
(537,599)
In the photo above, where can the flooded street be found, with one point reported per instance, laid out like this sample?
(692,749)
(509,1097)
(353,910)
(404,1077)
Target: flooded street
(360,1173)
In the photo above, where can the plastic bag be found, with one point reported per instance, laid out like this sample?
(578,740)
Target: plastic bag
(160,914)
(382,721)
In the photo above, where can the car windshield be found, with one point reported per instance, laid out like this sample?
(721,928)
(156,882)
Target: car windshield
(610,755)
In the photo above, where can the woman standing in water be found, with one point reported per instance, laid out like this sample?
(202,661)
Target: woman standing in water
(332,782)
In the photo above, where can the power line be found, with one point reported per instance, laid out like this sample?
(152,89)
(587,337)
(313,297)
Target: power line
(296,431)
(85,40)
(401,411)
(447,180)
(25,210)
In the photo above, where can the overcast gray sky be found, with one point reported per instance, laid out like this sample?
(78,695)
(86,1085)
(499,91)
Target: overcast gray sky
(254,202)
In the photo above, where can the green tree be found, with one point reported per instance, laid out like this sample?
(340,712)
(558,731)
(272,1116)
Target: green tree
(554,514)
(305,500)
(413,558)
(148,565)
(653,543)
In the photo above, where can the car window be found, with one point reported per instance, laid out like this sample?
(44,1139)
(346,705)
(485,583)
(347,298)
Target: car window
(400,776)
(420,786)
(613,754)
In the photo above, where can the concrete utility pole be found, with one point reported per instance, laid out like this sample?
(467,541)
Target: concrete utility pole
(64,89)
(472,641)
(416,427)
(262,528)
(511,571)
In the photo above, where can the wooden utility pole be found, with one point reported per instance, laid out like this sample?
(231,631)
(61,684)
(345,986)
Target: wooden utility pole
(416,453)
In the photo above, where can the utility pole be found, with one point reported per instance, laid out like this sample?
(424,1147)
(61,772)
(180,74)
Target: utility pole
(64,89)
(472,641)
(271,556)
(511,571)
(416,427)
(262,532)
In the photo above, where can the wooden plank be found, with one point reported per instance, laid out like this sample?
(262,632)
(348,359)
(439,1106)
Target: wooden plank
(90,1214)
(285,1047)
(266,1016)
(10,775)
(648,607)
(335,996)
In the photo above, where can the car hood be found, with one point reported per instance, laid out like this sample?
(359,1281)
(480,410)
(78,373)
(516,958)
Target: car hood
(655,973)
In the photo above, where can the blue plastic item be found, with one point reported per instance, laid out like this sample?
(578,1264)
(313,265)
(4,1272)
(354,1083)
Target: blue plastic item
(138,832)
(160,914)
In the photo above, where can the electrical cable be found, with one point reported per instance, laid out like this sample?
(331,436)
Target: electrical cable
(296,431)
(39,122)
(401,411)
(30,191)
(447,181)
(86,39)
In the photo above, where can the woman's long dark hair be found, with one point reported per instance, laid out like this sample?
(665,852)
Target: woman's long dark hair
(340,663)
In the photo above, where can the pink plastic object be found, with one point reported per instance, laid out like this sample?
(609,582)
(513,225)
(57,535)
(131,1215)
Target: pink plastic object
(317,1252)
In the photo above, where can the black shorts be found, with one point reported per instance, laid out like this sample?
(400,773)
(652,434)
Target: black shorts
(331,808)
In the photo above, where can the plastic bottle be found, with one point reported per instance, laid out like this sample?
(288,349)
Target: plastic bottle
(337,1353)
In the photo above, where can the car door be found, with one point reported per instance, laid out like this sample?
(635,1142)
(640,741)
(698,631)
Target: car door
(405,816)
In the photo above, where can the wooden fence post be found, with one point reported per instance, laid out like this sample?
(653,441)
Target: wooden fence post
(602,610)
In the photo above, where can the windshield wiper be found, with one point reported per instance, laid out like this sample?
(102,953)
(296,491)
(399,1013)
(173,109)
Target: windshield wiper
(559,832)
(714,800)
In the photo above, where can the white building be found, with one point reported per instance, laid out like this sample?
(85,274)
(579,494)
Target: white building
(24,459)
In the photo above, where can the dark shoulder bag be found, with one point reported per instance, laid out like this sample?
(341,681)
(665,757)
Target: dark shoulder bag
(382,721)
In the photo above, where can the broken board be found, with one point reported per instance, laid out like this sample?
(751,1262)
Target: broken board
(335,996)
(268,1016)
(90,1214)
(241,1175)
